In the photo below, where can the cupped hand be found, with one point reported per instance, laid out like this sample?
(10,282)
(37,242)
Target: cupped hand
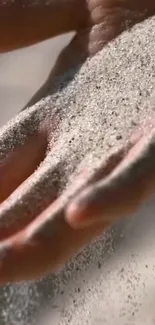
(46,217)
(44,222)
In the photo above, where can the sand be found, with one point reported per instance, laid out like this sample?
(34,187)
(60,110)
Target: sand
(96,109)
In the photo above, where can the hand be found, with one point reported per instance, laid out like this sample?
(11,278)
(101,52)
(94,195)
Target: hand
(27,22)
(38,227)
(38,221)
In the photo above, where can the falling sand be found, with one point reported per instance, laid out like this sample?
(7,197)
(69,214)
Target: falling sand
(93,111)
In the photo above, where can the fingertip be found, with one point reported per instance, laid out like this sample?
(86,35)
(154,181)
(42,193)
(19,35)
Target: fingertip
(72,214)
(76,216)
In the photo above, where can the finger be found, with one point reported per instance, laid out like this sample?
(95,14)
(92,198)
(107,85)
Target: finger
(30,198)
(21,151)
(122,192)
(38,190)
(65,16)
(21,163)
(43,247)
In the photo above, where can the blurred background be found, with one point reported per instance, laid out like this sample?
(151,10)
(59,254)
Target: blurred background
(23,72)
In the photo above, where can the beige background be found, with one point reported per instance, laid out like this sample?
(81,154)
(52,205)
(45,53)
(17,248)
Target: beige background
(22,72)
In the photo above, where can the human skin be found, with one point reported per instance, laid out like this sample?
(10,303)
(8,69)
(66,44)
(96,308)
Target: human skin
(91,209)
(25,22)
